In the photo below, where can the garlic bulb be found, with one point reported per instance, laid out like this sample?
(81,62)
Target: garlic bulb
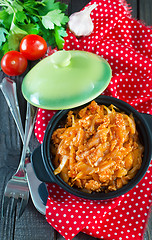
(80,23)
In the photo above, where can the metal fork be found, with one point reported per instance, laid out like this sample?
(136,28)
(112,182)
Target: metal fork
(17,187)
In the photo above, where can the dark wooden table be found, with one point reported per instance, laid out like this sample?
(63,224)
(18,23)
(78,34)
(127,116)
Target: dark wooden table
(32,225)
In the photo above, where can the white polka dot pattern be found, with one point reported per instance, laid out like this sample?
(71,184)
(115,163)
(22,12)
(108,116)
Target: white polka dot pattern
(71,214)
(127,45)
(128,219)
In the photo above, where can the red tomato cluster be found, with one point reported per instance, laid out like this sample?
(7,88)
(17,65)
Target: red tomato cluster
(32,47)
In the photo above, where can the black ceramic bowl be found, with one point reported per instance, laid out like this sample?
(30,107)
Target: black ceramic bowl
(41,157)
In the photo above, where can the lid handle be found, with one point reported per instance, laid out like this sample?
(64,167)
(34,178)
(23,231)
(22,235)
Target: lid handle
(61,58)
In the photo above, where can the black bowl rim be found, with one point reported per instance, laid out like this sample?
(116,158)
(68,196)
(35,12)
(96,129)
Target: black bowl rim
(123,106)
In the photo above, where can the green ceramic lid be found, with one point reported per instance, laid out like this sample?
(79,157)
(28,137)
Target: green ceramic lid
(66,79)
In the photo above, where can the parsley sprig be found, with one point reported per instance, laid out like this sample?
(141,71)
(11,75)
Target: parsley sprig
(18,18)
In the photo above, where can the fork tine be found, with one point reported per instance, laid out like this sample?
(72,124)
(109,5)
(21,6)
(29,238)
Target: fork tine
(17,186)
(5,203)
(23,205)
(13,206)
(13,210)
(8,223)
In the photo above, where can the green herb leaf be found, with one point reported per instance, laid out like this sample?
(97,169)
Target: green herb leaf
(59,34)
(64,20)
(21,17)
(47,22)
(53,17)
(14,41)
(6,19)
(31,28)
(5,47)
(3,32)
(16,30)
(14,37)
(3,15)
(16,6)
(49,5)
(7,6)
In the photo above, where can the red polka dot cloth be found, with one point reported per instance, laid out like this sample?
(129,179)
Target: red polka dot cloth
(127,46)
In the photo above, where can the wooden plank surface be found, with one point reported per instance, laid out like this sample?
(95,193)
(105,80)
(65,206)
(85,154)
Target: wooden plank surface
(145,11)
(32,225)
(133,4)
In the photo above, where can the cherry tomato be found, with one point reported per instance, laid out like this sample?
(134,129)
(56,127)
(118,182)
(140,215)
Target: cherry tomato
(33,46)
(13,63)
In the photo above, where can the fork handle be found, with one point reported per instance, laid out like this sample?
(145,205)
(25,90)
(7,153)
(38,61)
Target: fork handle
(29,124)
(8,87)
